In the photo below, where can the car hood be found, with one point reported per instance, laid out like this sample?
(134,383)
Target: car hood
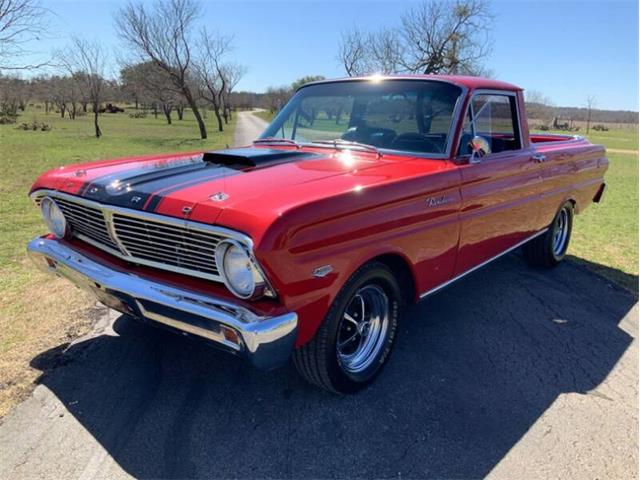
(255,184)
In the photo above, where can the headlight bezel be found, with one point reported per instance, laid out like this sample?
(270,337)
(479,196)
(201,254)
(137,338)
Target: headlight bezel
(49,208)
(261,286)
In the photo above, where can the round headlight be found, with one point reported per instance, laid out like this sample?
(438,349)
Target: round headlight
(53,217)
(236,268)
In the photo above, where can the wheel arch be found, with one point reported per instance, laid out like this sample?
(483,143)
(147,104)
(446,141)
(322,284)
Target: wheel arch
(402,269)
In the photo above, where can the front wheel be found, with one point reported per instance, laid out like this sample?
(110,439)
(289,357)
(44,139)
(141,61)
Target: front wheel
(548,249)
(355,339)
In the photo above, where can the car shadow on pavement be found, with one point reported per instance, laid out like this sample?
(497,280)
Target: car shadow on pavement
(474,367)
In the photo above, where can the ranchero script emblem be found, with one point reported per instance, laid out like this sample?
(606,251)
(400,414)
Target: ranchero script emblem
(437,201)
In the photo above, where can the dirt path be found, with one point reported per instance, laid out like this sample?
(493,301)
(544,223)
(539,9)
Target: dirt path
(621,150)
(248,128)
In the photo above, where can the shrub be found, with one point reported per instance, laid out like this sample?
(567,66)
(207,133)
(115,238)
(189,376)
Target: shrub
(138,115)
(600,128)
(34,126)
(8,115)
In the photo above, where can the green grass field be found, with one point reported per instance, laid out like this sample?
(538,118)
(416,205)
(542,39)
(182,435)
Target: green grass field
(605,236)
(26,154)
(623,138)
(36,311)
(266,115)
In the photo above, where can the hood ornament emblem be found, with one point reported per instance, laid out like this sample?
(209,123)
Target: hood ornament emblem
(219,197)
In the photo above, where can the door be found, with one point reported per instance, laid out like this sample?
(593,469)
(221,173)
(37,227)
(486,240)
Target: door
(500,191)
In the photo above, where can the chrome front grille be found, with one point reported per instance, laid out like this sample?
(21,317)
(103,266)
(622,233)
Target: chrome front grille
(170,244)
(144,238)
(87,222)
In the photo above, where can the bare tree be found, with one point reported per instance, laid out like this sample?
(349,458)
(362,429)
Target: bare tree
(539,106)
(209,66)
(162,35)
(591,103)
(20,22)
(353,52)
(276,97)
(86,62)
(233,73)
(150,85)
(435,37)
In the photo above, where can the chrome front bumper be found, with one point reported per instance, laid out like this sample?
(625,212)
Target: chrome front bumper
(266,342)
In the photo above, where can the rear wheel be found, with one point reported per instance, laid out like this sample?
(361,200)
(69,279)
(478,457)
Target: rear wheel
(548,249)
(355,339)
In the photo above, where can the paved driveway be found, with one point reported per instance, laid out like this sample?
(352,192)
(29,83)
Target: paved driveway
(510,372)
(248,128)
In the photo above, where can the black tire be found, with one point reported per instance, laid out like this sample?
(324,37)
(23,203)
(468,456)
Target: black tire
(548,249)
(321,361)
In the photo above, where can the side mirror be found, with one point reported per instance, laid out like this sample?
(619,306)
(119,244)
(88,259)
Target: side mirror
(479,148)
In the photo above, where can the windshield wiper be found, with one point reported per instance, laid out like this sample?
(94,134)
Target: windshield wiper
(339,143)
(277,140)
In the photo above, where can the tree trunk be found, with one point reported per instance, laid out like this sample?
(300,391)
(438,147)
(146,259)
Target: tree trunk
(84,107)
(167,112)
(180,112)
(196,112)
(155,110)
(95,120)
(216,110)
(63,109)
(225,114)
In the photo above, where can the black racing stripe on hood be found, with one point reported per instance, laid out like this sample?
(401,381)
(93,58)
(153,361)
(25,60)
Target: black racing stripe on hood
(144,187)
(154,199)
(149,170)
(144,192)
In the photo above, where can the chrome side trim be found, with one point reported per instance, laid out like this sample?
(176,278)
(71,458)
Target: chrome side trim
(464,274)
(266,341)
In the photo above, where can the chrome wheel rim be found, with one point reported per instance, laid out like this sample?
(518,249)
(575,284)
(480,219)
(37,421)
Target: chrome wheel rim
(560,232)
(363,329)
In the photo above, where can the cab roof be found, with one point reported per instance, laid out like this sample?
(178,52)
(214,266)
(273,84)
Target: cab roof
(469,82)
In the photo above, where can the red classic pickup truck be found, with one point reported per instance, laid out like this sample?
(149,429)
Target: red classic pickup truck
(363,195)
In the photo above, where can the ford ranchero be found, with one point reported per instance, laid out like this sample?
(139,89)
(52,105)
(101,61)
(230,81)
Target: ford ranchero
(362,196)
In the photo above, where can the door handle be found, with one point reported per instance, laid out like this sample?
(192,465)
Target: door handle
(539,158)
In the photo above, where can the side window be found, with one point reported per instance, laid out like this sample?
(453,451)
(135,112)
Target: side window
(494,117)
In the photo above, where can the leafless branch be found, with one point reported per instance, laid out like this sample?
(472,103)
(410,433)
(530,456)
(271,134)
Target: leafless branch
(435,37)
(21,21)
(162,35)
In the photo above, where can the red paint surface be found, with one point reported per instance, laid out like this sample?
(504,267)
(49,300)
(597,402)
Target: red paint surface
(346,208)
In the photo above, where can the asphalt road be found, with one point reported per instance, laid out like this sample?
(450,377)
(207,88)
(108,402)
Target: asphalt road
(509,373)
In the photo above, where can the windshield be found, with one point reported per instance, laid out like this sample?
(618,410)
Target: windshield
(405,115)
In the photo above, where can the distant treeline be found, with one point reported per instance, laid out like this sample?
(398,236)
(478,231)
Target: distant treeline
(547,113)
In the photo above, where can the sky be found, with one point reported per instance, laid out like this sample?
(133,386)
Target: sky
(565,50)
